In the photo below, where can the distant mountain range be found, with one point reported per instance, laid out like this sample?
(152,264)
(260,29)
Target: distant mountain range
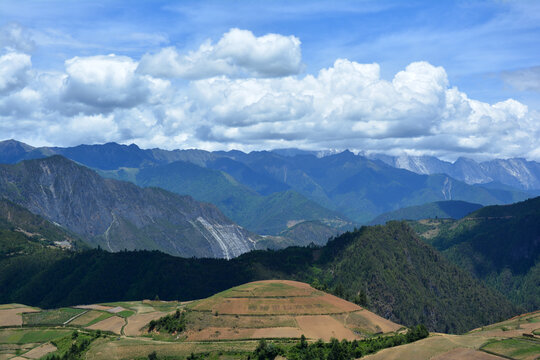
(118,215)
(263,214)
(518,173)
(267,192)
(515,172)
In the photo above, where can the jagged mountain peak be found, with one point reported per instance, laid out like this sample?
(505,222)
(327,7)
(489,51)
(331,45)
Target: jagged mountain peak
(518,173)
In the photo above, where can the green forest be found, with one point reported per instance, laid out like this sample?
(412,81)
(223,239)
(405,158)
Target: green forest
(386,268)
(498,245)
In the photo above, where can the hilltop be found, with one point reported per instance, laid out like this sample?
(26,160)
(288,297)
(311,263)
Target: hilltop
(515,338)
(280,308)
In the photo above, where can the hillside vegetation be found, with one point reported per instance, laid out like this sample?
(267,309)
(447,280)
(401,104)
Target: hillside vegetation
(386,268)
(497,244)
(22,232)
(308,232)
(268,214)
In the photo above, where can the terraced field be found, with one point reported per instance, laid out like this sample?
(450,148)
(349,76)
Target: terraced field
(31,333)
(230,324)
(511,339)
(280,308)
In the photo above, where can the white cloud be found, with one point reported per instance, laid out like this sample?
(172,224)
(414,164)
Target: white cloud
(346,100)
(105,82)
(348,105)
(14,71)
(237,53)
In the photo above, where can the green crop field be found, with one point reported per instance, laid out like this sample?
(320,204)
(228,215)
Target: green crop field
(165,306)
(125,313)
(102,317)
(514,348)
(124,304)
(50,317)
(19,336)
(139,349)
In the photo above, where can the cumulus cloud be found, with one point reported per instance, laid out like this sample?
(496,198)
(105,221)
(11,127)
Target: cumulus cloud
(14,71)
(346,100)
(524,79)
(348,105)
(241,101)
(238,53)
(105,82)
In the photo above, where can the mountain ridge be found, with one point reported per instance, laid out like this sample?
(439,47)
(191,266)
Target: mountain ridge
(352,185)
(516,172)
(119,215)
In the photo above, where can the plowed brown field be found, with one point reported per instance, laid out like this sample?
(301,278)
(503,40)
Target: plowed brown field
(13,317)
(113,324)
(324,327)
(40,351)
(136,322)
(94,307)
(469,354)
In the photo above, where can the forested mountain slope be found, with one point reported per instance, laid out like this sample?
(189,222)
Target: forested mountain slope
(268,214)
(22,232)
(361,188)
(498,244)
(386,268)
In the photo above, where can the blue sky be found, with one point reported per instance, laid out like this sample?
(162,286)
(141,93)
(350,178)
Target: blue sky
(473,40)
(489,50)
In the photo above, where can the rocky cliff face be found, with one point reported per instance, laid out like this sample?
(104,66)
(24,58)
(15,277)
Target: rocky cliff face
(118,215)
(518,173)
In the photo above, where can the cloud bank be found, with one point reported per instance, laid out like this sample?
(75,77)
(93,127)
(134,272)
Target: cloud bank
(249,93)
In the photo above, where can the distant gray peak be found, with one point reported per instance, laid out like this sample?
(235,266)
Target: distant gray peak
(516,172)
(329,152)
